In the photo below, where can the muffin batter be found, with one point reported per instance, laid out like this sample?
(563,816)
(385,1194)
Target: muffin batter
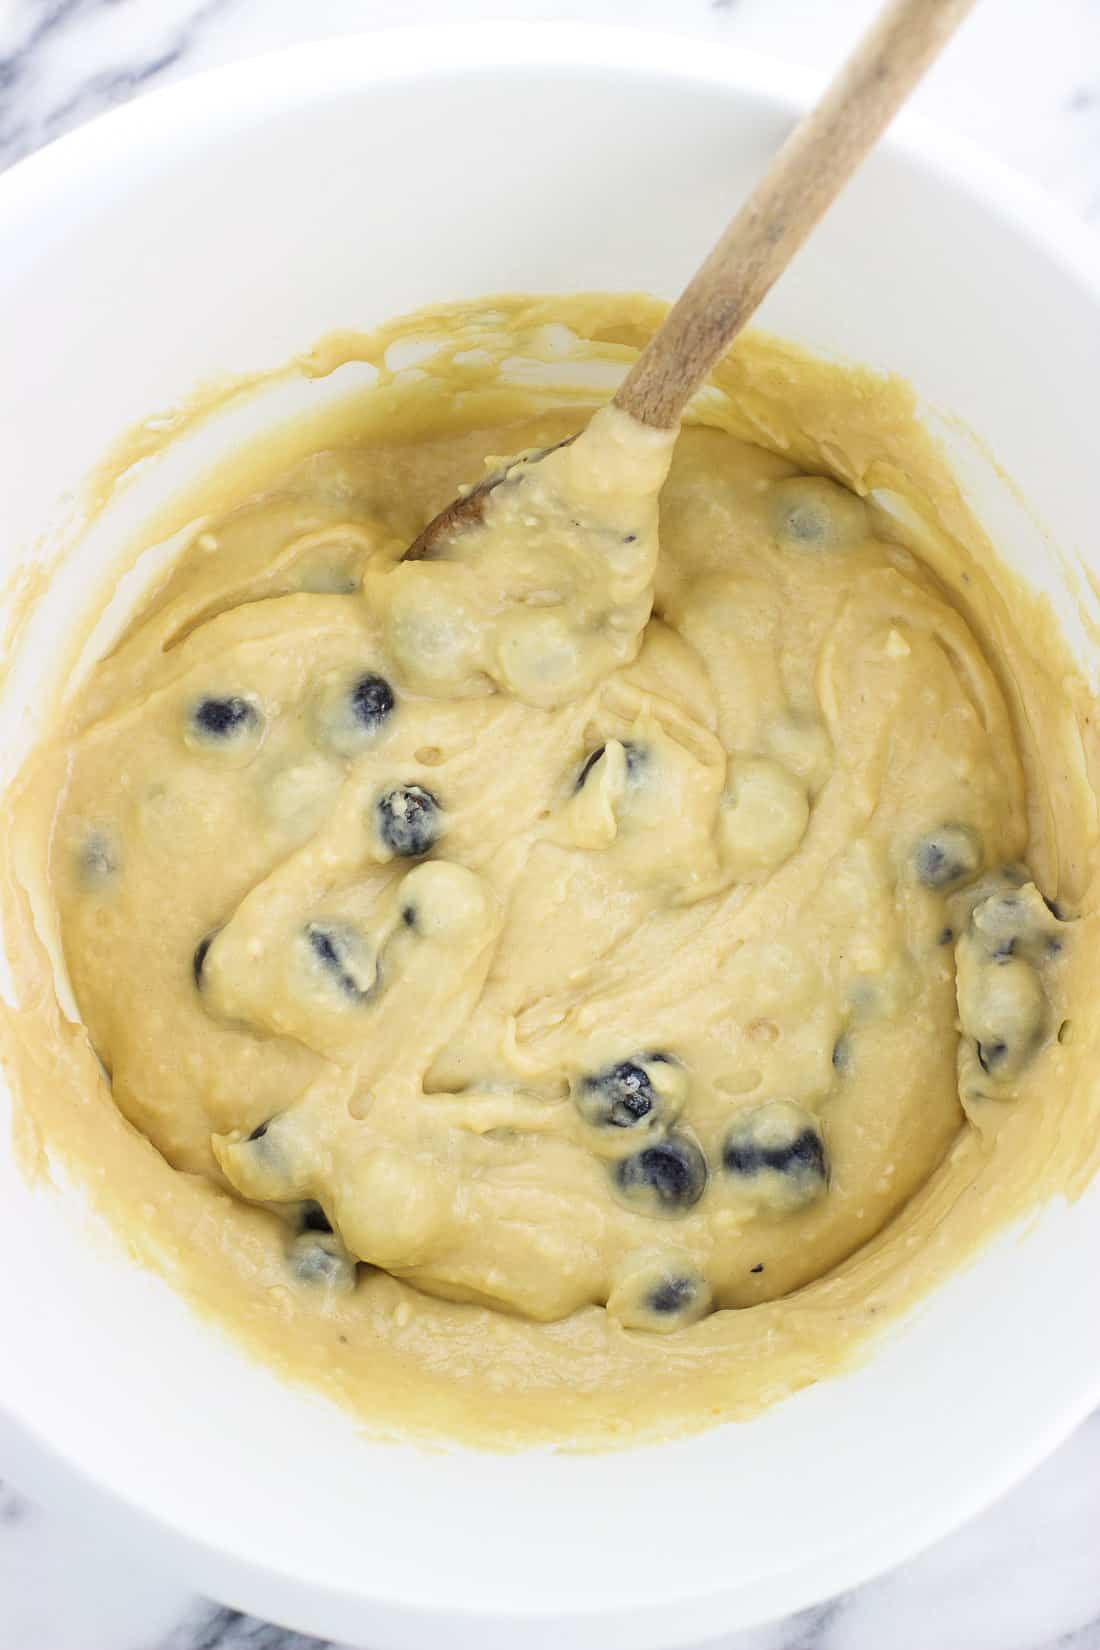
(528,953)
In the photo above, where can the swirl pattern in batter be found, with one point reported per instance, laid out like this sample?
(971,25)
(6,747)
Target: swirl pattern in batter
(552,922)
(604,965)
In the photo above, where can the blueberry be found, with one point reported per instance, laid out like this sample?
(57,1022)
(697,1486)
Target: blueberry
(408,821)
(660,1291)
(945,936)
(635,758)
(622,1096)
(947,857)
(267,1165)
(812,512)
(345,957)
(349,711)
(98,859)
(672,1296)
(224,718)
(804,1153)
(777,1156)
(1002,1004)
(199,958)
(664,1179)
(1018,924)
(759,1267)
(320,1260)
(372,700)
(991,1055)
(589,763)
(842,1053)
(312,1217)
(806,523)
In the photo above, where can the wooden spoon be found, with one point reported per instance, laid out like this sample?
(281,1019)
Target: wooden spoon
(803,180)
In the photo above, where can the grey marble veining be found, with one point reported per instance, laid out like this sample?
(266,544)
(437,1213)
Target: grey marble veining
(213,1627)
(39,101)
(1022,81)
(14,1508)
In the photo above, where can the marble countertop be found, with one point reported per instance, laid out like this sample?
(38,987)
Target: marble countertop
(1022,81)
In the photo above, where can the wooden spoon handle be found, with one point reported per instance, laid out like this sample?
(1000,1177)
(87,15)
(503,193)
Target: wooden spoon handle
(803,180)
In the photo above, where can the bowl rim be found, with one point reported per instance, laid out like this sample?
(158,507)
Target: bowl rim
(427,49)
(299,73)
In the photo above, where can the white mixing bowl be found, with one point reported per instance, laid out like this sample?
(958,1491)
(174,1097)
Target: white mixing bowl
(228,222)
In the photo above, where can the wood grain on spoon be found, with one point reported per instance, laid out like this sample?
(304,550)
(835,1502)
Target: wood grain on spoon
(802,181)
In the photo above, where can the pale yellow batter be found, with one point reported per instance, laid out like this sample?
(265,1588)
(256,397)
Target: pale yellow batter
(528,959)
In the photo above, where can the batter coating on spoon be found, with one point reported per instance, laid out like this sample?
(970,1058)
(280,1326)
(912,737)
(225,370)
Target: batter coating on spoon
(603,920)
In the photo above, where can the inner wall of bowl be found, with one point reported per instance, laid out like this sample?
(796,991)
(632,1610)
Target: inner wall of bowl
(318,196)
